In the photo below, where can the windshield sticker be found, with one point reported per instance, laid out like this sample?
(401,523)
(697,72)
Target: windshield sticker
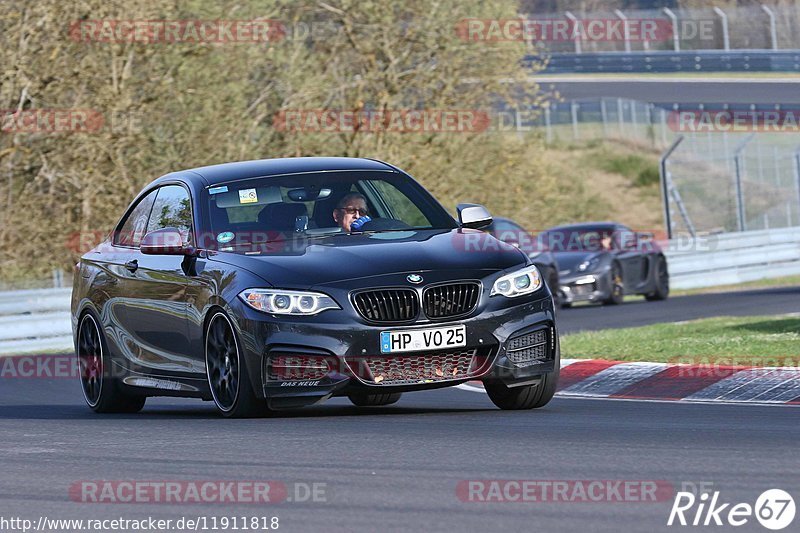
(248,196)
(217,190)
(225,236)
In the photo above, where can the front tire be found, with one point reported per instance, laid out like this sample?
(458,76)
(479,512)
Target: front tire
(100,389)
(374,400)
(524,397)
(617,294)
(227,372)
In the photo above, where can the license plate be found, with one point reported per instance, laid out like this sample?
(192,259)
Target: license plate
(414,340)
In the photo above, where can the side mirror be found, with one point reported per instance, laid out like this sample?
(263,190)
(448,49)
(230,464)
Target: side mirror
(473,216)
(165,241)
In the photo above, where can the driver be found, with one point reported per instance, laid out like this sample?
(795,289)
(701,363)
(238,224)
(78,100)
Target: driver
(605,242)
(351,208)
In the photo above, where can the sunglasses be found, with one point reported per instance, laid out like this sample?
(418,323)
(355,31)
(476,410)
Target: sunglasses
(353,210)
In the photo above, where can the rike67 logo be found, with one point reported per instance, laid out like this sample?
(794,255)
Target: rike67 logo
(774,509)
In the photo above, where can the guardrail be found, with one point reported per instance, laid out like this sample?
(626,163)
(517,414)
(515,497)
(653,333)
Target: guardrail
(670,61)
(730,258)
(35,321)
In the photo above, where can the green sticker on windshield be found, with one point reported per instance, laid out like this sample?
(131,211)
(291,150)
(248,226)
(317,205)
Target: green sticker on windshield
(225,236)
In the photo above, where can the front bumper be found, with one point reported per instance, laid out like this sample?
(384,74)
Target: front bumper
(592,287)
(299,361)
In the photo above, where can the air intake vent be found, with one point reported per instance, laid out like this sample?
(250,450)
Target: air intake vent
(451,300)
(387,305)
(531,349)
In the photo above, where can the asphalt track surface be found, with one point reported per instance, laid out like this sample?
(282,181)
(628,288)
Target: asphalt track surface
(633,313)
(668,90)
(393,468)
(397,468)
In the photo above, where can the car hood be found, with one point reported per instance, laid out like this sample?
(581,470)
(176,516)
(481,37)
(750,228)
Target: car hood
(305,263)
(568,261)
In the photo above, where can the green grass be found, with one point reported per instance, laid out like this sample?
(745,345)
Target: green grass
(641,171)
(758,341)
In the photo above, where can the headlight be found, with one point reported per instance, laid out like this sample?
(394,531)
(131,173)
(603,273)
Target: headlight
(524,281)
(287,302)
(590,264)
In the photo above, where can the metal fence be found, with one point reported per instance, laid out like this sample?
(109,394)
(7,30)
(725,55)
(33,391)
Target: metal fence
(603,118)
(774,26)
(731,182)
(713,182)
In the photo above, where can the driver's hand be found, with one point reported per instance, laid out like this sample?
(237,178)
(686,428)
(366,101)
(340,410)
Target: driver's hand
(358,223)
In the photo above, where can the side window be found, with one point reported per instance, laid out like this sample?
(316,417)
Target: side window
(402,207)
(135,226)
(172,208)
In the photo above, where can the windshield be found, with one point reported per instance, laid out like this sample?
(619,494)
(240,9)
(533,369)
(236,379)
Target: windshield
(589,239)
(311,205)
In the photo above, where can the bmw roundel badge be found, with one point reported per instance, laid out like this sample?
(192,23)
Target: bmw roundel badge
(414,278)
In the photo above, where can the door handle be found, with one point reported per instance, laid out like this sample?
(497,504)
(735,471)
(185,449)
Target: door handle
(132,265)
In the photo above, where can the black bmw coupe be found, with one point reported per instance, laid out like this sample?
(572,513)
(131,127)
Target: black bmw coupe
(273,284)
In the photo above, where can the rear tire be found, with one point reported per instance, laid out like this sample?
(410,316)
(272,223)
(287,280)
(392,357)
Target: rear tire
(662,282)
(617,295)
(100,389)
(374,400)
(227,372)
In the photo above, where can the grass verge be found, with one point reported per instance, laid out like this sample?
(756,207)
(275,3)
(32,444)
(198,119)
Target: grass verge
(774,283)
(756,341)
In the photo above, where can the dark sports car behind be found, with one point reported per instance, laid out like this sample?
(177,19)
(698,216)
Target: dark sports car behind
(601,262)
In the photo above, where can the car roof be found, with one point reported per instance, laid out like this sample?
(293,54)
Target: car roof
(226,172)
